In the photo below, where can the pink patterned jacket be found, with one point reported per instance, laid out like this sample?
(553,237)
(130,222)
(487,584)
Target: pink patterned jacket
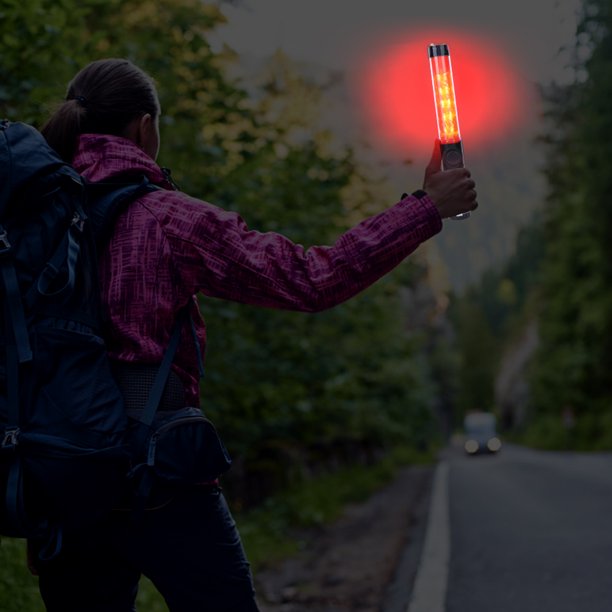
(168,246)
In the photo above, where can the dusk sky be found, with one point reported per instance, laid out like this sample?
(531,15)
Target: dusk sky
(334,32)
(346,34)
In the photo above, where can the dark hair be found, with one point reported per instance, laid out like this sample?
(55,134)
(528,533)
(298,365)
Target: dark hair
(103,98)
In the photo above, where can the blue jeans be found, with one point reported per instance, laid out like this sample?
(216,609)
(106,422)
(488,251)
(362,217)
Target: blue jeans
(189,548)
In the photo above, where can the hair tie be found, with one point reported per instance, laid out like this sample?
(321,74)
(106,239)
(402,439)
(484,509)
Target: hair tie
(82,101)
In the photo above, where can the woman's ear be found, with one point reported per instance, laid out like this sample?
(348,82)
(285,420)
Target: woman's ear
(144,132)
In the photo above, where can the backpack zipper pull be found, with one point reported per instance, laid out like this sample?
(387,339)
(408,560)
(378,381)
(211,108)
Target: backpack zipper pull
(11,438)
(152,449)
(77,221)
(5,245)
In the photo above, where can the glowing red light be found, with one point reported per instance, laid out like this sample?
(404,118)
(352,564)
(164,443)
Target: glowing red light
(444,97)
(394,86)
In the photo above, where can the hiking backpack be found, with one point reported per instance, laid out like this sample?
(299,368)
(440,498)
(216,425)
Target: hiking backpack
(63,456)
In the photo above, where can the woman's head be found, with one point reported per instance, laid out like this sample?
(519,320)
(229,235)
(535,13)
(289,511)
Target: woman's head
(109,96)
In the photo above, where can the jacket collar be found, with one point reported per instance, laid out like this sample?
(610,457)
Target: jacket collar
(102,157)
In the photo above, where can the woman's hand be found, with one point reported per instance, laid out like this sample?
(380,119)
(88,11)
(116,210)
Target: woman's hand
(452,191)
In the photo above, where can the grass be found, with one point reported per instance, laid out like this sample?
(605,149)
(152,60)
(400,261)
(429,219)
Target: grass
(273,531)
(276,529)
(18,588)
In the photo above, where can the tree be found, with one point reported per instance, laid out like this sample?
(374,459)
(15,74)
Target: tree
(276,379)
(571,367)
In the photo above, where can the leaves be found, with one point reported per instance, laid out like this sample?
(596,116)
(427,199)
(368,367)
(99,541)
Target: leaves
(571,367)
(281,386)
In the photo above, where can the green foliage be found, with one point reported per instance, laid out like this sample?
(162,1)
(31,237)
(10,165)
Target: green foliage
(307,388)
(18,588)
(491,314)
(276,529)
(591,432)
(310,389)
(294,395)
(149,599)
(42,45)
(571,368)
(479,357)
(562,273)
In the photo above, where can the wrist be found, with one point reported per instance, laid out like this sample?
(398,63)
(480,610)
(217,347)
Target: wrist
(419,194)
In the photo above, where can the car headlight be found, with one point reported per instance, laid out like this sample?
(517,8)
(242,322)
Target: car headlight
(494,444)
(471,447)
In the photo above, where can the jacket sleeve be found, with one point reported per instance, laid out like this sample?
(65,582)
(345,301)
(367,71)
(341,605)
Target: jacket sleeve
(216,253)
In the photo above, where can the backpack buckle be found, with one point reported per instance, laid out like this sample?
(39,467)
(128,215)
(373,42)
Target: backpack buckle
(5,245)
(78,222)
(11,438)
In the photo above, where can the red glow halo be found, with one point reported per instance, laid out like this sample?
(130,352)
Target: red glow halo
(395,90)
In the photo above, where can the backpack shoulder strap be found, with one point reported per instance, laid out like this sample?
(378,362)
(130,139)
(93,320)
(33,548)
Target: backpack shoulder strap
(106,201)
(183,318)
(157,390)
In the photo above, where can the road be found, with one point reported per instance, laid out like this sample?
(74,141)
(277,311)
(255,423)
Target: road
(522,531)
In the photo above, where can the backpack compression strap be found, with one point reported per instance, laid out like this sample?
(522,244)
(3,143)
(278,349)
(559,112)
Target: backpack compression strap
(157,390)
(14,305)
(18,351)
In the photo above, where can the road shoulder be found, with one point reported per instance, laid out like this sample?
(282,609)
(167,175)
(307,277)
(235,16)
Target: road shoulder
(365,561)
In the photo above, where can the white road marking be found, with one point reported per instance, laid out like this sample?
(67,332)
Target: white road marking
(429,593)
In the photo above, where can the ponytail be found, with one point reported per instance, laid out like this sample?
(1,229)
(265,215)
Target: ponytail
(63,128)
(103,98)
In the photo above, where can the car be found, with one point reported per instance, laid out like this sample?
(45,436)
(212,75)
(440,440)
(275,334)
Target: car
(481,433)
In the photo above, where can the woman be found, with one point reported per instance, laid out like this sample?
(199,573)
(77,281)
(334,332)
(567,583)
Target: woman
(166,248)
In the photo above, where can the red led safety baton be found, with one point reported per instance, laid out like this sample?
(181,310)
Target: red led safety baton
(446,110)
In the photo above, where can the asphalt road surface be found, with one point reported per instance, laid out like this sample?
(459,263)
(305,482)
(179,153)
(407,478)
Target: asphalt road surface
(521,531)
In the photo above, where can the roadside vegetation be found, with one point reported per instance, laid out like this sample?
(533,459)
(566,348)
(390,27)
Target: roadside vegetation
(316,410)
(560,280)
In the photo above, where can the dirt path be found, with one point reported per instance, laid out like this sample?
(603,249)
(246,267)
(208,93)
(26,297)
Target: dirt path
(352,564)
